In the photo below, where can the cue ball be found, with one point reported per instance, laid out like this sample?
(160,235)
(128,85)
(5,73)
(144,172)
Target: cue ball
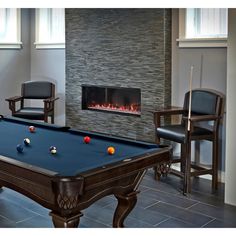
(87,139)
(27,141)
(19,148)
(110,150)
(53,150)
(32,129)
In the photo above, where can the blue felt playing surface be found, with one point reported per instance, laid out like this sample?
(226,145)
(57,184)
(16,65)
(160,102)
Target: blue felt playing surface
(73,155)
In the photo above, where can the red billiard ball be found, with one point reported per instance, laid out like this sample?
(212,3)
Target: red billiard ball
(110,150)
(32,129)
(87,139)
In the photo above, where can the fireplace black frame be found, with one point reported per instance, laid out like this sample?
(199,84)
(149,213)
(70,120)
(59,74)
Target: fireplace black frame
(105,90)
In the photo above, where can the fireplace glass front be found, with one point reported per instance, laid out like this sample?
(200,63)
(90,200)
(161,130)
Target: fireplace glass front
(126,101)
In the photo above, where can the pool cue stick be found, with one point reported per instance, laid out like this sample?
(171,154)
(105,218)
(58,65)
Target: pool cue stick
(188,158)
(190,97)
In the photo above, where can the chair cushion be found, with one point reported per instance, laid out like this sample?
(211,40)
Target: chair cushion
(176,133)
(32,113)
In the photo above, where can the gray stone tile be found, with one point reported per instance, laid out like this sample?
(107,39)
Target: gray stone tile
(226,213)
(219,224)
(36,222)
(99,214)
(182,214)
(148,216)
(180,201)
(174,223)
(14,212)
(5,223)
(131,222)
(160,185)
(86,222)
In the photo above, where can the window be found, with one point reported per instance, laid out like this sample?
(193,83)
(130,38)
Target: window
(203,27)
(50,28)
(10,28)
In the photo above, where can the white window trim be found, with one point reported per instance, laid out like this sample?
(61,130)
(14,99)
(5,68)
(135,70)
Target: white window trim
(39,45)
(196,42)
(44,45)
(18,43)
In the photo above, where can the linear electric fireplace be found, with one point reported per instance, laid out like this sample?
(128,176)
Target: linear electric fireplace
(122,100)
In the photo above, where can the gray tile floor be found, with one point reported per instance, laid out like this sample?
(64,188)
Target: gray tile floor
(160,205)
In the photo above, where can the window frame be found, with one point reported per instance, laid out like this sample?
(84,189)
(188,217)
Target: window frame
(44,45)
(196,42)
(17,44)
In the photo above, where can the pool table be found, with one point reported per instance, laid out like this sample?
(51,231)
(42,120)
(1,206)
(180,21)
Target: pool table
(78,174)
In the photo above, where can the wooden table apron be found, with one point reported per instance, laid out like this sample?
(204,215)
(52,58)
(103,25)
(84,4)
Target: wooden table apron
(67,196)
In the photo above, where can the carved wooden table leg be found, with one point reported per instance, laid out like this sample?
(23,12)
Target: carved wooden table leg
(65,222)
(125,205)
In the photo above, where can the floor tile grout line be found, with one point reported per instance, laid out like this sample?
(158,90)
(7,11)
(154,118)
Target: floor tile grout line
(182,198)
(29,218)
(26,208)
(187,208)
(208,222)
(163,191)
(183,221)
(191,211)
(163,221)
(194,211)
(6,218)
(182,208)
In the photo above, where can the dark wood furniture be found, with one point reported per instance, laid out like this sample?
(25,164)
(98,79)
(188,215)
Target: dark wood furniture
(40,90)
(79,174)
(206,114)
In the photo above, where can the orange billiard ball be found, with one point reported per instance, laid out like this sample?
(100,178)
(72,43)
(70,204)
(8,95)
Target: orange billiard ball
(110,150)
(32,129)
(87,139)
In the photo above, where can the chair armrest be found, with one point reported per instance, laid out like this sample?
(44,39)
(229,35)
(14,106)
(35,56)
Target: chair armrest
(14,99)
(164,112)
(171,110)
(50,99)
(12,103)
(202,118)
(49,104)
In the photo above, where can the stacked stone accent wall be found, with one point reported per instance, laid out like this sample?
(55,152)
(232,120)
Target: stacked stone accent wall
(118,47)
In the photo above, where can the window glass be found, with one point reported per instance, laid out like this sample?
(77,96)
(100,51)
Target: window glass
(9,25)
(206,22)
(50,26)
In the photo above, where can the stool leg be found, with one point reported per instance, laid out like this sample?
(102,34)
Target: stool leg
(215,164)
(187,174)
(182,158)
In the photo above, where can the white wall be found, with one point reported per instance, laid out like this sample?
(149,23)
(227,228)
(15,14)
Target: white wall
(230,173)
(49,64)
(15,66)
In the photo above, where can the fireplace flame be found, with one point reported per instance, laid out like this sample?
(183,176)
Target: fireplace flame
(133,108)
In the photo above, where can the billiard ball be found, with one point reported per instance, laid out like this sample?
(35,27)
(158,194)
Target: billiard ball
(27,141)
(32,129)
(19,148)
(53,150)
(87,139)
(110,150)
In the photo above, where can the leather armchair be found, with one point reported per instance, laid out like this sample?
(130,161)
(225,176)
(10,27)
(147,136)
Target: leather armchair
(39,90)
